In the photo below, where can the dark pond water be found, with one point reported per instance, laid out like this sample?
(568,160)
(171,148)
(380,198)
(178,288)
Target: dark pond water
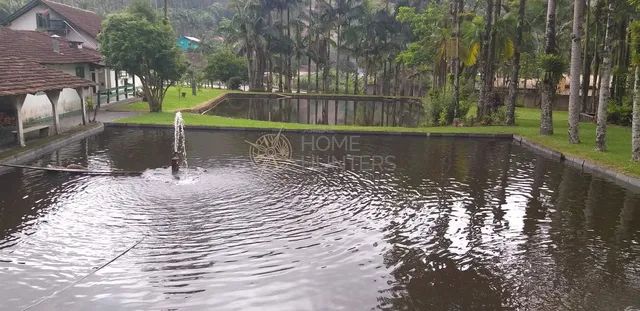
(322,111)
(365,223)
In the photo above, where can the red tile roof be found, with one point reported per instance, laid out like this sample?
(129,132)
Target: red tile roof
(20,76)
(83,19)
(38,47)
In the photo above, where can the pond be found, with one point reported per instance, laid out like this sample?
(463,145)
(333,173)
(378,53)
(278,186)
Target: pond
(346,222)
(317,109)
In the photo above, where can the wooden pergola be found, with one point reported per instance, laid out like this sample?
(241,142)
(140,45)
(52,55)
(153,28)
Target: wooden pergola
(21,77)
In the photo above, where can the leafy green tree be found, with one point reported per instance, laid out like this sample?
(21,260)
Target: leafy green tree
(224,64)
(137,41)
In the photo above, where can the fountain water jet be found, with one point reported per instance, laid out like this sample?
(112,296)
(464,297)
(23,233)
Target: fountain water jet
(179,149)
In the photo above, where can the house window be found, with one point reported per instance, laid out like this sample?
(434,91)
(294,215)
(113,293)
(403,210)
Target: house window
(80,71)
(42,20)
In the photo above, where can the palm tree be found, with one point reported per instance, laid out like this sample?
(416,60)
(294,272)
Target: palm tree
(576,59)
(634,29)
(354,44)
(299,45)
(550,78)
(246,30)
(486,76)
(586,68)
(605,90)
(457,11)
(515,71)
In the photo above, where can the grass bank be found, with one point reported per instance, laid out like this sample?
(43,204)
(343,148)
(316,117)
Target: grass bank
(173,100)
(618,156)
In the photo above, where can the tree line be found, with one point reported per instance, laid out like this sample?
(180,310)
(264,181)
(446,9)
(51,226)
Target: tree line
(460,52)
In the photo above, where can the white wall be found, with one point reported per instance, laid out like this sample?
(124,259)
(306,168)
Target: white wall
(38,106)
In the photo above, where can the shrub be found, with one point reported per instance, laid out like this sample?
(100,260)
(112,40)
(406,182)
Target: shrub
(498,117)
(234,83)
(439,108)
(620,113)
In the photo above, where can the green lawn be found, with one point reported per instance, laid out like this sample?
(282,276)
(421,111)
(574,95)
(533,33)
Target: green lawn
(617,157)
(173,102)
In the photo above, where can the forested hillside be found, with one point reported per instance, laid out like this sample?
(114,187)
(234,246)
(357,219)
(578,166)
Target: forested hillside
(197,18)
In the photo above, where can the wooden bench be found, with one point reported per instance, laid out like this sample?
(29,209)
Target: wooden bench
(43,130)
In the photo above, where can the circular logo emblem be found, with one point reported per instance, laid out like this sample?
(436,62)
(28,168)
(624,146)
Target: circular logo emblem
(270,150)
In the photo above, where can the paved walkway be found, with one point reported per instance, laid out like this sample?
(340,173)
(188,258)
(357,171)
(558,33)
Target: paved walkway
(75,119)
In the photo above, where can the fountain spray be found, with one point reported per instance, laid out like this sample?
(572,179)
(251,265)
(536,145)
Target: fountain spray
(179,149)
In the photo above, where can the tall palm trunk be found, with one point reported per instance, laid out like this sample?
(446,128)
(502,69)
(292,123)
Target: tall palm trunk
(289,69)
(298,75)
(309,74)
(485,62)
(576,60)
(515,70)
(634,32)
(635,126)
(309,48)
(355,78)
(281,60)
(317,61)
(456,61)
(586,69)
(384,78)
(595,62)
(605,89)
(549,81)
(338,59)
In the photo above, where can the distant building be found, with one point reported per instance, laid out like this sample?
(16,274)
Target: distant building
(76,26)
(188,44)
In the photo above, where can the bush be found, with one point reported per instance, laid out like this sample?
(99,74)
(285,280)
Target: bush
(234,83)
(439,108)
(498,117)
(620,113)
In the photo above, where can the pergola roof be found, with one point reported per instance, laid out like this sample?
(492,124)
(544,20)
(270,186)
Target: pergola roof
(21,76)
(38,47)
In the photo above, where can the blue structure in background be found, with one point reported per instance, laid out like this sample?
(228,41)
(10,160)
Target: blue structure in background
(188,44)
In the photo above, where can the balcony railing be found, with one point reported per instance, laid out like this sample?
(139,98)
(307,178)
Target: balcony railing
(57,26)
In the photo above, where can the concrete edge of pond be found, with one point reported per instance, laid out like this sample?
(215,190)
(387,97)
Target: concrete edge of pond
(30,153)
(581,164)
(311,131)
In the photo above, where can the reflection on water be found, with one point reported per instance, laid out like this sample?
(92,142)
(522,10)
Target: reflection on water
(388,112)
(457,225)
